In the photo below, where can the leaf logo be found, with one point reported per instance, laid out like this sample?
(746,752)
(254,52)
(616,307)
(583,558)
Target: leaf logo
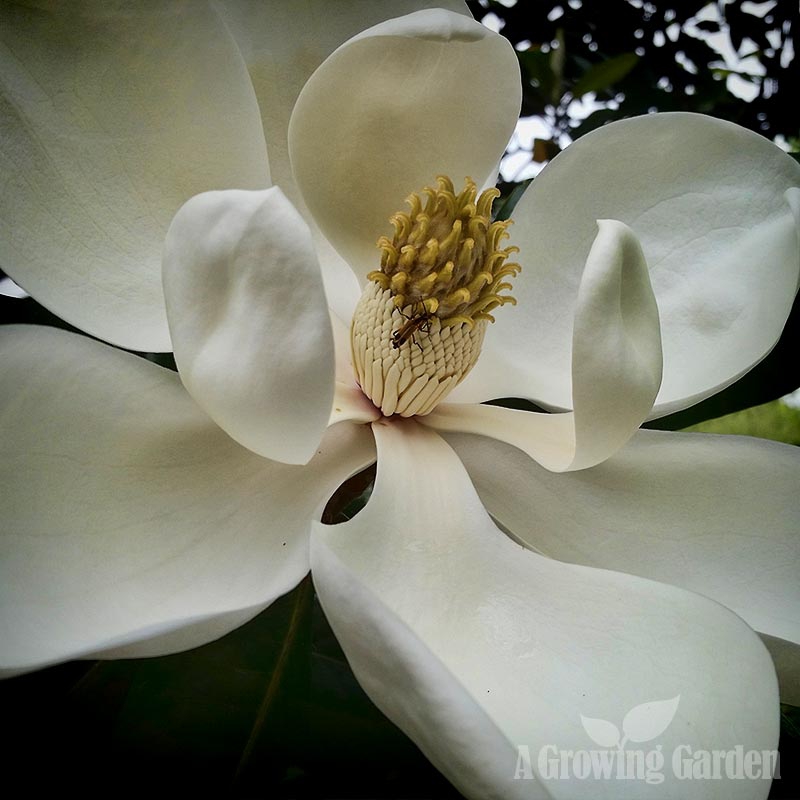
(641,724)
(645,722)
(601,731)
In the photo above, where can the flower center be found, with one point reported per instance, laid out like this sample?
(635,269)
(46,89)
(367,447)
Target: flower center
(419,325)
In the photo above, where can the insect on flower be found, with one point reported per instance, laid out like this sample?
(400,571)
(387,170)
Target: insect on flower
(416,321)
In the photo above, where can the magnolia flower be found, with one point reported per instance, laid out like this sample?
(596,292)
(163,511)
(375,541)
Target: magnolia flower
(146,513)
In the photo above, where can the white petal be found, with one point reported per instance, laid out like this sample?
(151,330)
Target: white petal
(282,44)
(112,118)
(707,199)
(249,321)
(426,94)
(132,525)
(341,285)
(350,404)
(616,367)
(716,515)
(343,351)
(475,646)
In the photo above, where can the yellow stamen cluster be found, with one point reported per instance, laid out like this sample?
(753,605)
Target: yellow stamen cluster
(419,325)
(445,257)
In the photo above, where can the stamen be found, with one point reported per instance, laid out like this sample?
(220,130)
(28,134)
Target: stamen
(419,326)
(398,282)
(449,236)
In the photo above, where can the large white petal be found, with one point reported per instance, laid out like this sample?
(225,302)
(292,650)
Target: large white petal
(112,117)
(717,515)
(132,525)
(249,321)
(616,366)
(282,44)
(475,646)
(426,94)
(708,201)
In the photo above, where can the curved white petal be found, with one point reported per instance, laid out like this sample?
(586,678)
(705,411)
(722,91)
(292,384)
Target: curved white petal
(716,515)
(350,404)
(708,201)
(426,94)
(112,118)
(616,367)
(249,321)
(475,646)
(282,44)
(132,525)
(341,285)
(342,350)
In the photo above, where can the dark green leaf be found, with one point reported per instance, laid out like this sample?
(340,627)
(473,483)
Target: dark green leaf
(506,207)
(536,67)
(605,74)
(595,120)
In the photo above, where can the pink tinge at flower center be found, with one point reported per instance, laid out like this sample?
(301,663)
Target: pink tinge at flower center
(419,325)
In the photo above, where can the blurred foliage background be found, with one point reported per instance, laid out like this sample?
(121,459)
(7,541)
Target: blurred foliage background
(732,60)
(272,710)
